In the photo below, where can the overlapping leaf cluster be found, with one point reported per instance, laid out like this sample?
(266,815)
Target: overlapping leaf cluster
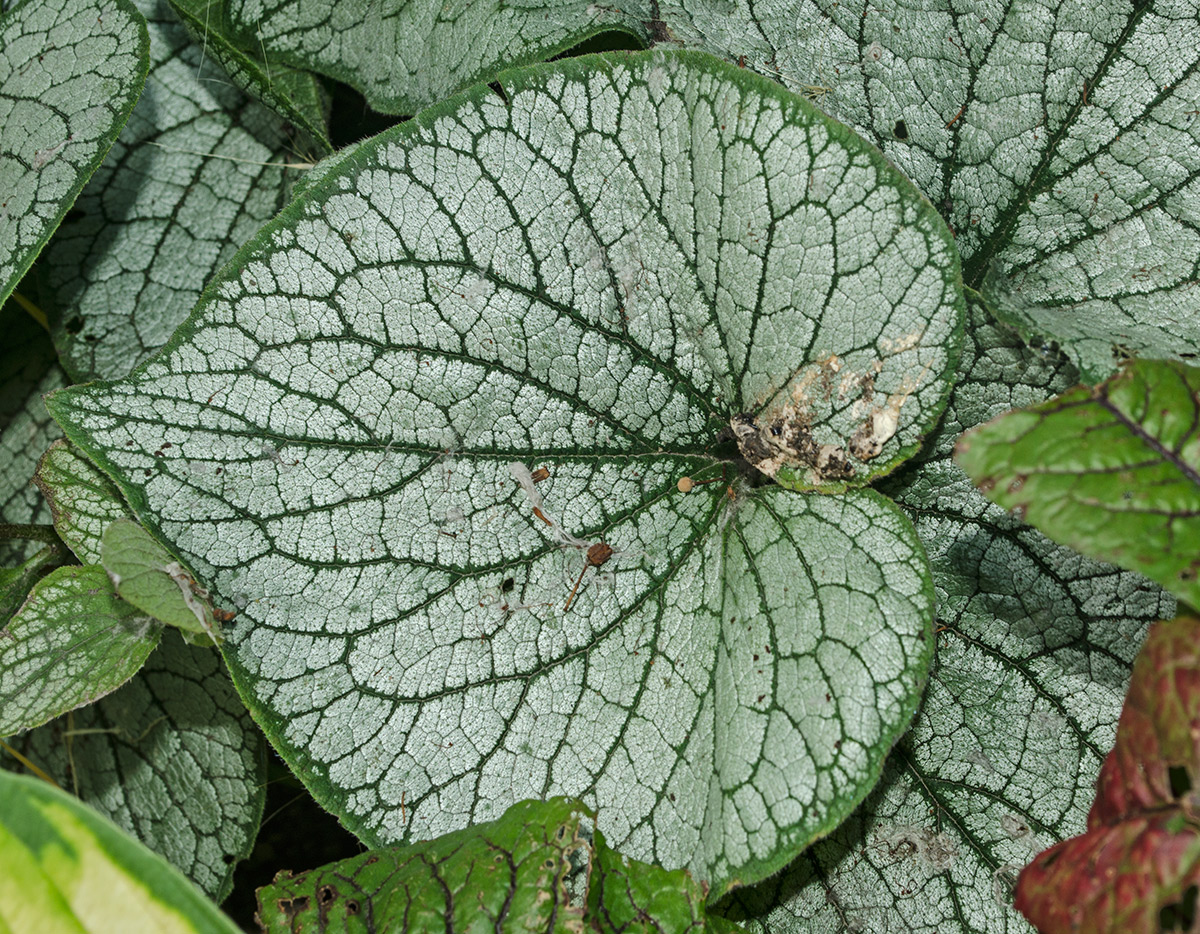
(525,452)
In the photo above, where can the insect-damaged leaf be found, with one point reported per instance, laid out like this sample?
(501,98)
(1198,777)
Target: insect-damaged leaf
(1029,633)
(1137,869)
(70,72)
(1113,471)
(523,872)
(586,281)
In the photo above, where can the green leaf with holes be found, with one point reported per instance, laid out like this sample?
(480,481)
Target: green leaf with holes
(539,867)
(1113,471)
(70,73)
(68,869)
(72,641)
(1034,653)
(172,758)
(1060,140)
(196,171)
(428,436)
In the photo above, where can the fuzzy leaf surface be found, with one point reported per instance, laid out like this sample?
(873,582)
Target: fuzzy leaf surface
(70,73)
(1113,471)
(72,641)
(68,869)
(1061,141)
(1134,868)
(196,171)
(1031,633)
(82,500)
(172,758)
(295,95)
(357,411)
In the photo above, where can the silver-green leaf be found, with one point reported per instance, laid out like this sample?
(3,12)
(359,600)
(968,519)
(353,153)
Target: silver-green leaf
(71,642)
(172,758)
(197,169)
(589,281)
(1060,140)
(1034,650)
(82,500)
(70,73)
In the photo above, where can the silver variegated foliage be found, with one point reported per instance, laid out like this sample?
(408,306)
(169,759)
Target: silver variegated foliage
(70,72)
(429,434)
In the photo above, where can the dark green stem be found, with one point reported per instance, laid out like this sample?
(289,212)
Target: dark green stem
(37,533)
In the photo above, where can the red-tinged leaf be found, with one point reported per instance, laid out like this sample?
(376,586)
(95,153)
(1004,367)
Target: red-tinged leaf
(1156,759)
(1137,869)
(1125,878)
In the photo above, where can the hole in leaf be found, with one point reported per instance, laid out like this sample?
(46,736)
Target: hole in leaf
(900,130)
(352,907)
(498,90)
(1180,781)
(326,894)
(508,585)
(1180,915)
(74,326)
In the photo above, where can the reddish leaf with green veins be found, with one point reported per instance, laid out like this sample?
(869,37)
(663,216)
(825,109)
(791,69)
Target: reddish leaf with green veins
(1138,866)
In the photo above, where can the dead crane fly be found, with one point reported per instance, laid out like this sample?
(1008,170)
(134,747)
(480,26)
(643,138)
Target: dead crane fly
(596,553)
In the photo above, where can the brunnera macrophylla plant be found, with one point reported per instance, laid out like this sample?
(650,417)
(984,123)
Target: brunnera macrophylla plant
(722,671)
(336,392)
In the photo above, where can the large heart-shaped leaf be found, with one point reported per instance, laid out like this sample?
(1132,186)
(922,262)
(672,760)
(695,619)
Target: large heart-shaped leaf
(1060,140)
(195,172)
(70,72)
(1034,650)
(597,279)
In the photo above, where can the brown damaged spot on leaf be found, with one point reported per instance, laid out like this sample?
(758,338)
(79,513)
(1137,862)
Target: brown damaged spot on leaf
(785,441)
(782,436)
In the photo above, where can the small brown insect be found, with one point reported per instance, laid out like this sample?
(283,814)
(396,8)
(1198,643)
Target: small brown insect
(596,556)
(542,473)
